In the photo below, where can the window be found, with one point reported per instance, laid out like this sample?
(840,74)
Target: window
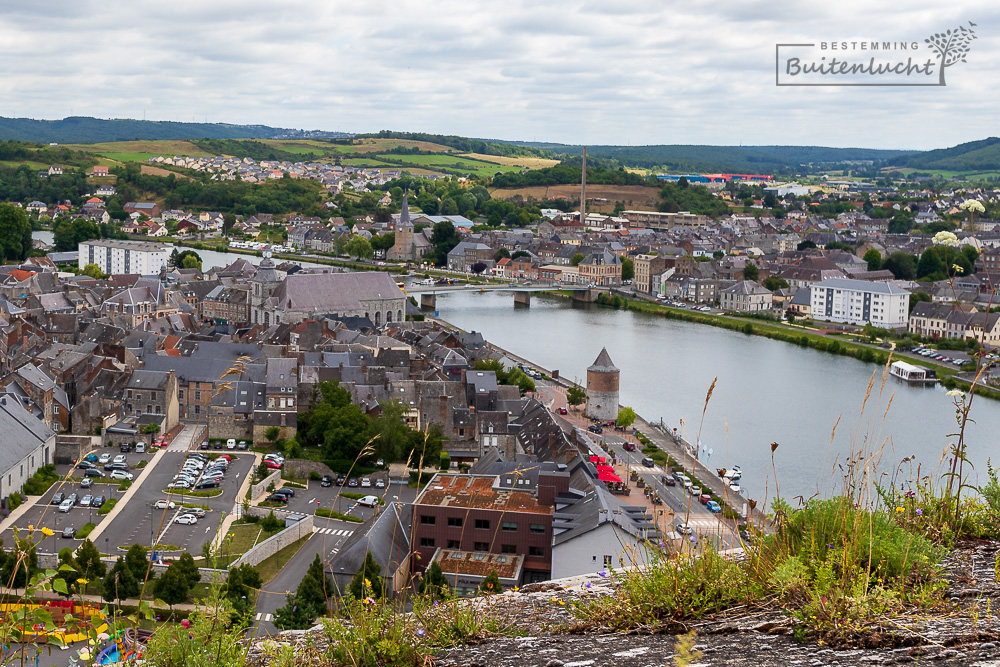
(481,546)
(508,548)
(607,561)
(197,395)
(426,541)
(454,522)
(536,551)
(483,524)
(180,394)
(538,528)
(427,519)
(454,544)
(508,526)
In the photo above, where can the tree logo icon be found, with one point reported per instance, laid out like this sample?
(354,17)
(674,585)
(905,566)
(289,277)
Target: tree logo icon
(951,47)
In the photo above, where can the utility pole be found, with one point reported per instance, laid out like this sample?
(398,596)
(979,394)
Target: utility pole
(583,191)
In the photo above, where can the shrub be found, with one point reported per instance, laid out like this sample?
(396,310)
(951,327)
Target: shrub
(315,476)
(271,523)
(108,505)
(85,531)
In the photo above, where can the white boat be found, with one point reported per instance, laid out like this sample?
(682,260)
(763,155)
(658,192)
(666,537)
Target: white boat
(912,374)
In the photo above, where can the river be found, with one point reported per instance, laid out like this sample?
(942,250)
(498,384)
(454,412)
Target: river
(767,391)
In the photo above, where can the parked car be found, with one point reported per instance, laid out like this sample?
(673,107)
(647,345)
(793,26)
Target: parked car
(694,490)
(69,532)
(203,445)
(648,462)
(594,428)
(186,519)
(285,491)
(116,466)
(379,483)
(352,482)
(368,501)
(125,448)
(207,484)
(198,512)
(684,528)
(120,459)
(91,458)
(66,505)
(163,504)
(86,482)
(242,445)
(104,458)
(366,483)
(713,506)
(669,481)
(272,464)
(326,481)
(58,498)
(140,448)
(629,446)
(121,474)
(98,501)
(179,484)
(85,465)
(341,480)
(94,472)
(277,498)
(563,411)
(231,443)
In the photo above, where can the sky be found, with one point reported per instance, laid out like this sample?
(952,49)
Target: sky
(625,72)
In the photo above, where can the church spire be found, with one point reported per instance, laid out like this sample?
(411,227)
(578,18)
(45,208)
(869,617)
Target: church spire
(404,215)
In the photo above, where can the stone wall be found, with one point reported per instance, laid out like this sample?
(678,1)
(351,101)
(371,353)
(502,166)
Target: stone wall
(302,468)
(70,448)
(227,426)
(276,543)
(260,488)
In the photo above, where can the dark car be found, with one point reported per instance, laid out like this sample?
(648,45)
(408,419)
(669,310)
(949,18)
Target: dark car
(69,532)
(116,466)
(352,482)
(97,501)
(126,447)
(207,484)
(277,498)
(94,472)
(669,481)
(594,428)
(58,498)
(340,480)
(203,445)
(85,465)
(286,492)
(326,481)
(242,445)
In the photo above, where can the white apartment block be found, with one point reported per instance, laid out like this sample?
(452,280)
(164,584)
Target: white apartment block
(860,302)
(117,257)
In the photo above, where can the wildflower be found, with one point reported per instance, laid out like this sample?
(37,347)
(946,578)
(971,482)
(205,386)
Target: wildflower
(370,601)
(946,238)
(899,509)
(516,588)
(972,205)
(82,582)
(562,602)
(185,624)
(829,546)
(47,532)
(919,511)
(662,544)
(957,268)
(602,574)
(420,632)
(367,583)
(911,494)
(435,603)
(955,393)
(692,539)
(588,584)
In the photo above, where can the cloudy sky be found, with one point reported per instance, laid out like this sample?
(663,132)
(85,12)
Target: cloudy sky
(601,72)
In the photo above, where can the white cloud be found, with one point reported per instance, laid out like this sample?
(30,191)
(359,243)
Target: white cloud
(631,71)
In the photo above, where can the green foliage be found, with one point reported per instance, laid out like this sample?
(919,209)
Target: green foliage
(331,514)
(173,586)
(86,530)
(576,395)
(359,247)
(108,505)
(89,560)
(293,616)
(874,259)
(626,416)
(188,568)
(137,561)
(309,601)
(367,582)
(271,434)
(444,462)
(775,283)
(511,375)
(271,523)
(93,271)
(40,482)
(191,263)
(390,432)
(576,259)
(918,297)
(15,233)
(750,271)
(242,582)
(491,584)
(120,583)
(69,571)
(628,268)
(434,584)
(940,262)
(214,638)
(903,265)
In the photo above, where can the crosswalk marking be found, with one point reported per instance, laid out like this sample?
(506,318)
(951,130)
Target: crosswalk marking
(264,617)
(333,531)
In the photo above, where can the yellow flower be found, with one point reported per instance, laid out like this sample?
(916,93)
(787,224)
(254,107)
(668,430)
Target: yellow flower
(563,603)
(899,509)
(367,583)
(82,582)
(47,532)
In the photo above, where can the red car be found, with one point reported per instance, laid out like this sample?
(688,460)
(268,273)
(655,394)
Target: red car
(629,447)
(563,411)
(273,465)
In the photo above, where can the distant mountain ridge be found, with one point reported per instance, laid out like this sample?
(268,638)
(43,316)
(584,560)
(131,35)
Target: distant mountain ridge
(88,130)
(971,156)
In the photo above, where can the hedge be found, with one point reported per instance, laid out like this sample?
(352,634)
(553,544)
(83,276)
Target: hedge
(330,514)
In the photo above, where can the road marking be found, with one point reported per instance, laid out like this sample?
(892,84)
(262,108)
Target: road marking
(312,500)
(263,616)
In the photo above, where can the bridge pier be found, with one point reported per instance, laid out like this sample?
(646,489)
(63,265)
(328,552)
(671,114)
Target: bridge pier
(428,301)
(522,299)
(582,296)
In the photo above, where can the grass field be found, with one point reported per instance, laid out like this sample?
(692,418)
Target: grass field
(635,196)
(453,162)
(380,145)
(160,171)
(945,173)
(520,161)
(367,162)
(159,147)
(130,157)
(16,163)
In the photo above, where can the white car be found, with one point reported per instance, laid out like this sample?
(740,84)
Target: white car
(368,501)
(186,519)
(379,483)
(66,505)
(735,487)
(121,474)
(231,443)
(179,484)
(366,483)
(104,458)
(163,504)
(119,459)
(684,528)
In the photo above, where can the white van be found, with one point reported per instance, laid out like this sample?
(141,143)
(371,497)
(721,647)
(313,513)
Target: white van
(368,501)
(140,448)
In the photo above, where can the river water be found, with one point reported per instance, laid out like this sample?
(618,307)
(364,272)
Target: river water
(767,391)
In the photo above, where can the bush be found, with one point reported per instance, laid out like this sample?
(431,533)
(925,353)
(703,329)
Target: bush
(40,482)
(445,461)
(15,500)
(107,506)
(315,476)
(85,531)
(271,523)
(125,486)
(330,514)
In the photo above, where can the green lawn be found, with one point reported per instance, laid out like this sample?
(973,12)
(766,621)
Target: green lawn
(269,567)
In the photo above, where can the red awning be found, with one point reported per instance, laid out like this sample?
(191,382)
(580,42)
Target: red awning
(593,458)
(607,476)
(604,468)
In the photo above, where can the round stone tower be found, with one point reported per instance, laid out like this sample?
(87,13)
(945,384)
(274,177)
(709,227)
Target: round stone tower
(602,388)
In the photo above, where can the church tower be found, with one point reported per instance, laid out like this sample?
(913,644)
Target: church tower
(403,246)
(602,388)
(263,283)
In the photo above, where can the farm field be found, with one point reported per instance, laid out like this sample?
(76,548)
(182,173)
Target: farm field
(638,197)
(17,163)
(163,147)
(518,161)
(376,145)
(452,162)
(945,173)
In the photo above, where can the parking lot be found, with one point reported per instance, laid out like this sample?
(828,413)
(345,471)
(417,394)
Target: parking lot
(45,514)
(139,523)
(308,500)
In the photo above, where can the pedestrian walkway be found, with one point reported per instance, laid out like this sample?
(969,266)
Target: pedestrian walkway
(332,531)
(264,617)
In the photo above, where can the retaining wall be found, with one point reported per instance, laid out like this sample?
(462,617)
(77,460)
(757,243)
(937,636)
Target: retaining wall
(260,488)
(276,543)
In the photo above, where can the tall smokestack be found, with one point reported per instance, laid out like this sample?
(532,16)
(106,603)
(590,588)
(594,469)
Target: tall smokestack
(583,191)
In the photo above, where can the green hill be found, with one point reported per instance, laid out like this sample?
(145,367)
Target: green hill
(972,156)
(85,130)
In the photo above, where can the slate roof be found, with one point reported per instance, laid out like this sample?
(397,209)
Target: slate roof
(603,362)
(334,292)
(860,286)
(20,432)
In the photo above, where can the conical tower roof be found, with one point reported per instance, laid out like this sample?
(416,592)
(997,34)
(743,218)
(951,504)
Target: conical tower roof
(603,363)
(404,214)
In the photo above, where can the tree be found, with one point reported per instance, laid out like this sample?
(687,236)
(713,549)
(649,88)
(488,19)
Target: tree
(903,265)
(718,254)
(628,268)
(434,584)
(901,223)
(17,570)
(271,434)
(89,560)
(93,271)
(173,586)
(241,582)
(271,523)
(183,255)
(138,562)
(172,261)
(501,254)
(491,584)
(750,271)
(775,283)
(368,580)
(316,588)
(293,616)
(359,247)
(626,416)
(576,395)
(69,572)
(188,568)
(520,253)
(390,431)
(15,233)
(120,584)
(918,297)
(478,267)
(576,259)
(874,259)
(805,245)
(191,263)
(444,237)
(150,429)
